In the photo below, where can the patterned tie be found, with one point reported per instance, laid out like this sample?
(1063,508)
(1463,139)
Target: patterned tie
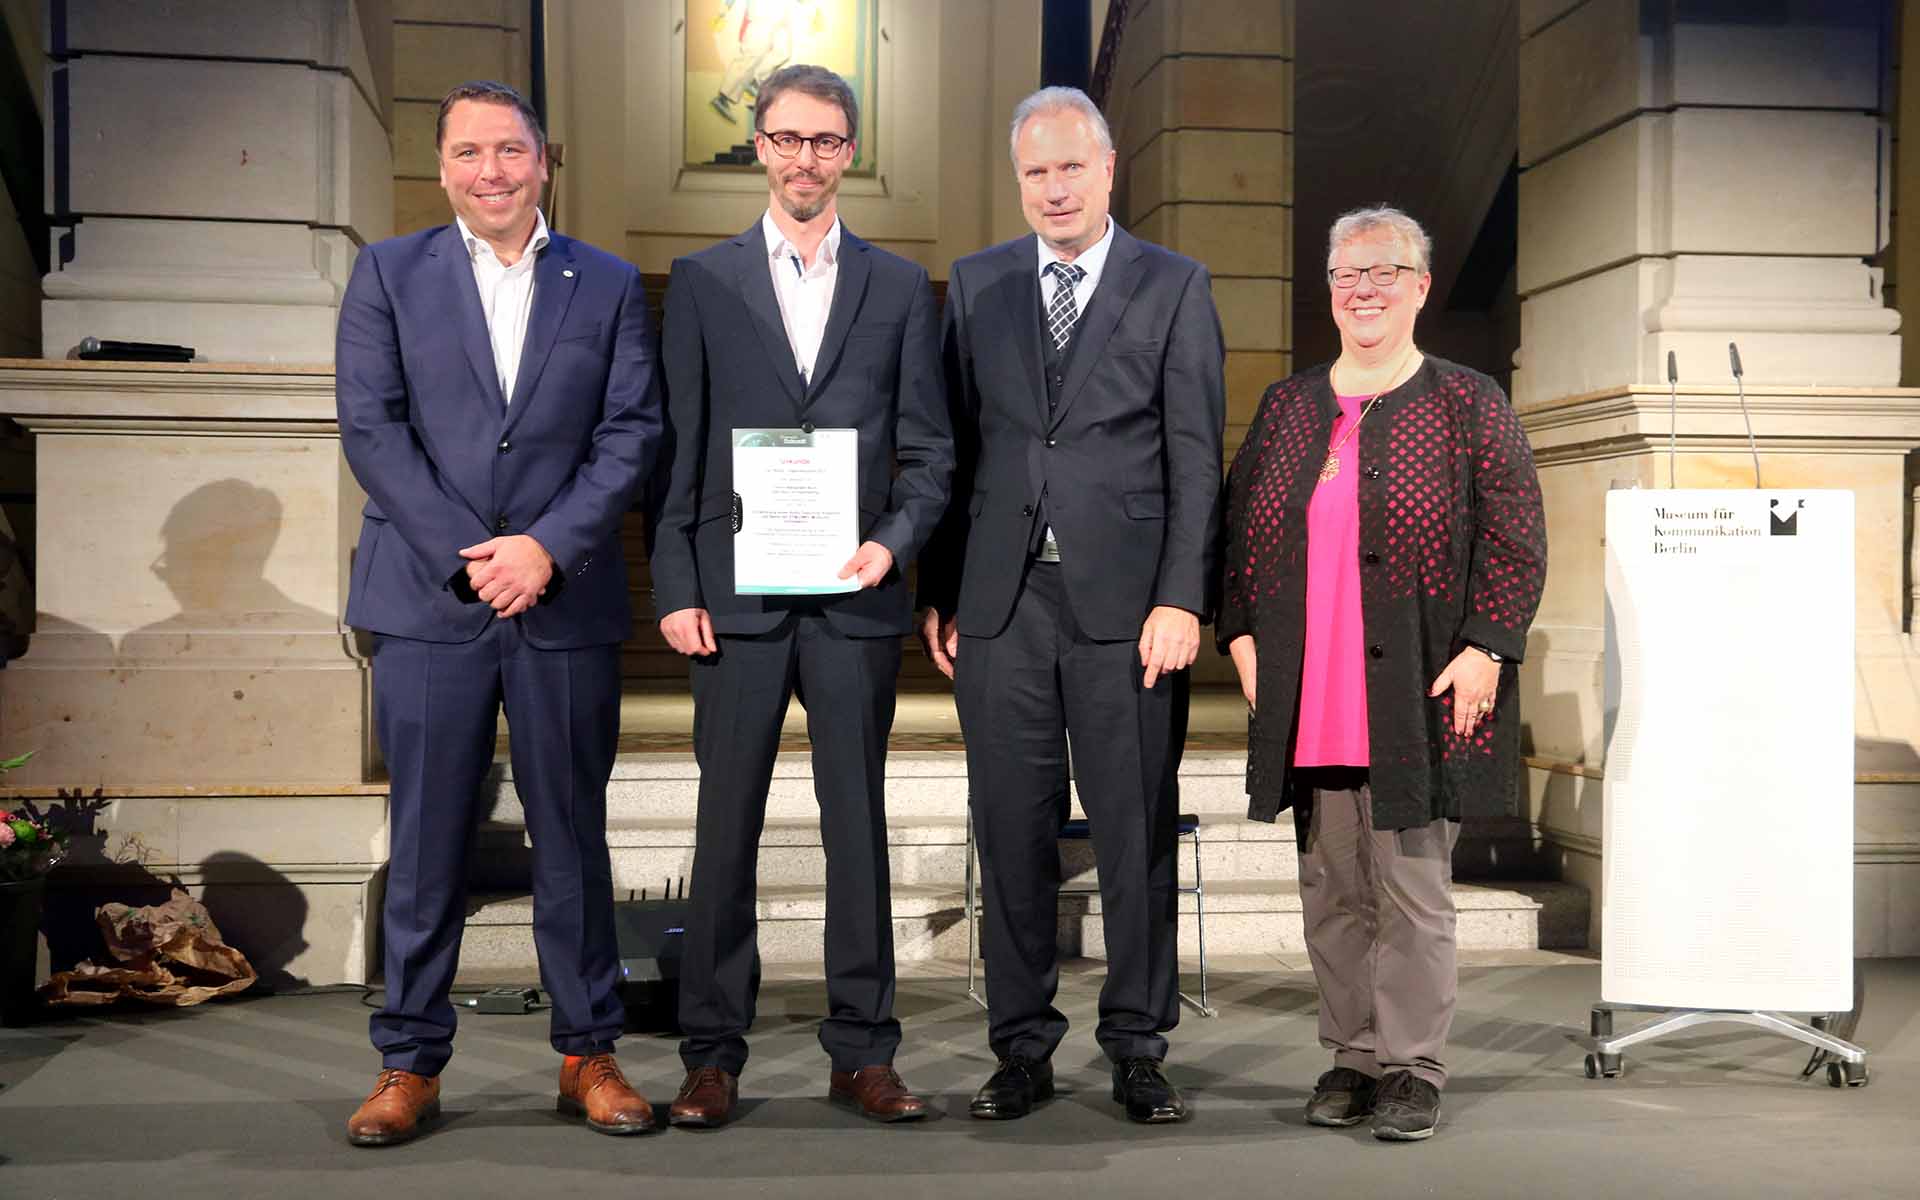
(1062,313)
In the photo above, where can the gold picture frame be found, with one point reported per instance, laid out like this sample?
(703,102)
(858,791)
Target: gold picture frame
(732,45)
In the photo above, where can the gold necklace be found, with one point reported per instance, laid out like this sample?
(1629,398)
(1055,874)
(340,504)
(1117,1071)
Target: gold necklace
(1330,469)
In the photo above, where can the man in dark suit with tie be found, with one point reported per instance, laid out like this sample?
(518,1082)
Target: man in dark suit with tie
(1067,587)
(796,324)
(499,402)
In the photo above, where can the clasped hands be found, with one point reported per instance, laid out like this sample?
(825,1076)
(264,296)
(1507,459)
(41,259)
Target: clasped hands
(509,573)
(1169,641)
(690,630)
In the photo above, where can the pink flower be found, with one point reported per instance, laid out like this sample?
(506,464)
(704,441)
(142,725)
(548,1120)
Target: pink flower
(6,835)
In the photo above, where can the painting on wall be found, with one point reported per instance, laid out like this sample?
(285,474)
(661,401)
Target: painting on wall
(734,45)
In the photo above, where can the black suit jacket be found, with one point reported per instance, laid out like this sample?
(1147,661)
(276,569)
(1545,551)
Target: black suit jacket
(1129,463)
(729,365)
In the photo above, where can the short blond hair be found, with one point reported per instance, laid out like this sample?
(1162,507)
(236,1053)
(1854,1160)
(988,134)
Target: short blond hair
(1359,222)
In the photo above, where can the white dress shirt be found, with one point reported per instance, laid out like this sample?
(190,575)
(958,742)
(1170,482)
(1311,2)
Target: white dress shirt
(805,292)
(506,297)
(1092,260)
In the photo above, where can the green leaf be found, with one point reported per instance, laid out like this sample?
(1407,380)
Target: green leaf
(11,763)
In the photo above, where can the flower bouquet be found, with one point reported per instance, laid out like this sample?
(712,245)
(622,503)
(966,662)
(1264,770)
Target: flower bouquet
(29,845)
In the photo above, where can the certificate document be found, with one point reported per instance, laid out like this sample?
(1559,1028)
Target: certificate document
(797,516)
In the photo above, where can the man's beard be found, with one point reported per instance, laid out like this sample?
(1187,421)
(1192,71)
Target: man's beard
(805,210)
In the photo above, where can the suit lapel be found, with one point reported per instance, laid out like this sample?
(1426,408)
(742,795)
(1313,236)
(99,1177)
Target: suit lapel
(849,288)
(451,249)
(1023,309)
(554,278)
(756,288)
(1110,297)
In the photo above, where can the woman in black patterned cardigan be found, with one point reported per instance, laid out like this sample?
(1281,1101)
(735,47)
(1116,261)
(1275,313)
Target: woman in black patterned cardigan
(1385,554)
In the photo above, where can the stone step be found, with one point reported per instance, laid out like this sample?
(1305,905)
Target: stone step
(927,850)
(1242,917)
(920,783)
(652,853)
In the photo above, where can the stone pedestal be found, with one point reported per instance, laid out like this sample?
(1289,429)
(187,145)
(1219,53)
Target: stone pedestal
(212,169)
(1692,177)
(188,683)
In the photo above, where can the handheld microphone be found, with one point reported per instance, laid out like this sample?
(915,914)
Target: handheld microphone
(1673,413)
(1739,380)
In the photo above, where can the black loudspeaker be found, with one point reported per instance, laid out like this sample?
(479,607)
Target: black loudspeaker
(648,933)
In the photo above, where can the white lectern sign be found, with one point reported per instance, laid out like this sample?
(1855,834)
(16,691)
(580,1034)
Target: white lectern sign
(1729,770)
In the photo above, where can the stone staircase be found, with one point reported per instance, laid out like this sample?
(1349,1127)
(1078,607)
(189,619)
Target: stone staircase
(1250,870)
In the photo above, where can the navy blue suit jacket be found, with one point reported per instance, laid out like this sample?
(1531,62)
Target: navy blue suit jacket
(446,462)
(729,365)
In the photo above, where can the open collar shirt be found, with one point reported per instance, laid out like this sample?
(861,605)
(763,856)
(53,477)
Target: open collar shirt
(506,296)
(805,292)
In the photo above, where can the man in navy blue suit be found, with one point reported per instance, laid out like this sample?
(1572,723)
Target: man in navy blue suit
(499,400)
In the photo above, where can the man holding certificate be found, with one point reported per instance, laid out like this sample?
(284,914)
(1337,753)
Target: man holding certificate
(812,457)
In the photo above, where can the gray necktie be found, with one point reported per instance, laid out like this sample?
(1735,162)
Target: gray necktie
(1062,313)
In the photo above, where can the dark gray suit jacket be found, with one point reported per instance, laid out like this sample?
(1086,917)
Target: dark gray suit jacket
(729,365)
(1129,464)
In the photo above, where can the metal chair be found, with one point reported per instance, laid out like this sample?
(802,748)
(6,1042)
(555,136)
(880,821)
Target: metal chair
(1187,828)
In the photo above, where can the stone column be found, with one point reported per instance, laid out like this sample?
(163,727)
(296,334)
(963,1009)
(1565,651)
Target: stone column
(1694,175)
(191,696)
(211,168)
(438,44)
(1201,104)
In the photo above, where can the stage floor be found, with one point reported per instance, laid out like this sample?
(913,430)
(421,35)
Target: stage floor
(248,1098)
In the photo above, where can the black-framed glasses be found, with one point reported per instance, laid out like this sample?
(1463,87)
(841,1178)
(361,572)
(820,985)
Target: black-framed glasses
(787,143)
(1382,274)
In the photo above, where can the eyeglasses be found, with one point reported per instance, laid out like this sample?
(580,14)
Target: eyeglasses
(787,144)
(1382,274)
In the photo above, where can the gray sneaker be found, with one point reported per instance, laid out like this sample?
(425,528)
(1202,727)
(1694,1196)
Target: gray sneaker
(1405,1108)
(1341,1097)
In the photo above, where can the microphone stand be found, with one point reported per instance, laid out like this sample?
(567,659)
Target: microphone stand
(1673,414)
(1739,379)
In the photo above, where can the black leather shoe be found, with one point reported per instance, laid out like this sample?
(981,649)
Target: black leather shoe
(1016,1085)
(1141,1087)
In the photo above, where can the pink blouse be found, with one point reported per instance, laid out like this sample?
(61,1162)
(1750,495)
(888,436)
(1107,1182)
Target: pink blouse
(1333,677)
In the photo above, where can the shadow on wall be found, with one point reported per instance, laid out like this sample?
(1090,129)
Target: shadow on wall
(214,548)
(215,544)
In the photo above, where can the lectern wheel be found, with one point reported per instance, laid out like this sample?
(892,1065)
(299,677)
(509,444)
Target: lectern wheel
(1611,1065)
(1593,1067)
(1847,1074)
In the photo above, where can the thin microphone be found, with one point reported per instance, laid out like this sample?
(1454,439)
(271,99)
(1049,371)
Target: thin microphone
(1739,380)
(1673,413)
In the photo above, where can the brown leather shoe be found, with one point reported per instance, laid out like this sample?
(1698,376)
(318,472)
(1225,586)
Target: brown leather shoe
(401,1107)
(876,1093)
(592,1086)
(706,1099)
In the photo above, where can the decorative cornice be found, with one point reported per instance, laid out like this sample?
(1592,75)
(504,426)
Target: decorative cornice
(1630,420)
(194,399)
